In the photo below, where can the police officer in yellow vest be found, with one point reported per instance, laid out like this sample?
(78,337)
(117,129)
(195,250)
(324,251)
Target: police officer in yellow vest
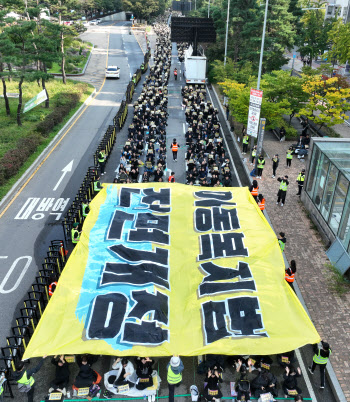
(97,185)
(102,161)
(245,142)
(2,380)
(85,209)
(300,181)
(174,375)
(24,378)
(289,156)
(282,191)
(75,233)
(320,359)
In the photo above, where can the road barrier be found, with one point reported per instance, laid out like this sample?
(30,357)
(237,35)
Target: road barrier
(38,296)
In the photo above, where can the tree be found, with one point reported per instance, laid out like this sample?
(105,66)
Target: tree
(313,38)
(280,85)
(273,108)
(327,100)
(280,35)
(339,36)
(19,38)
(143,9)
(242,73)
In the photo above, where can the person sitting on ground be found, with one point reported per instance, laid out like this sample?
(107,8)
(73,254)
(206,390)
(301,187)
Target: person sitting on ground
(86,375)
(242,380)
(286,358)
(290,384)
(212,391)
(264,382)
(144,372)
(61,379)
(125,370)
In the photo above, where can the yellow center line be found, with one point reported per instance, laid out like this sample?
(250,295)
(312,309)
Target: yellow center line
(58,142)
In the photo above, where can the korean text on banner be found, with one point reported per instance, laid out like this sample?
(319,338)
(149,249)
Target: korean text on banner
(255,101)
(162,270)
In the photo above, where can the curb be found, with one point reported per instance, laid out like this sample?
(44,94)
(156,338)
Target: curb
(333,380)
(80,74)
(19,183)
(250,179)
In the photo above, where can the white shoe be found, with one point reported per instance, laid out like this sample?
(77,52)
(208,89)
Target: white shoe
(273,176)
(282,204)
(276,203)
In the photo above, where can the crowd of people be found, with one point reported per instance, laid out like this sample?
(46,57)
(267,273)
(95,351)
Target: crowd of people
(252,376)
(207,161)
(144,152)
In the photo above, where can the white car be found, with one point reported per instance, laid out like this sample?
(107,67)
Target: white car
(98,20)
(93,22)
(86,24)
(112,72)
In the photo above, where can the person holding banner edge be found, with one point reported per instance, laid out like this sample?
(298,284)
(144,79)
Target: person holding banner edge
(174,375)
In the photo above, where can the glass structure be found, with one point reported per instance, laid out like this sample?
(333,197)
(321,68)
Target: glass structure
(328,185)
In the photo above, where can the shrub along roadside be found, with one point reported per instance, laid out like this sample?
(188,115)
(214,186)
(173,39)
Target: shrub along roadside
(24,148)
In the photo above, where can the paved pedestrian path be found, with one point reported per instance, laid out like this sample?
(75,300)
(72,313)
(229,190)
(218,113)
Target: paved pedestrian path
(329,312)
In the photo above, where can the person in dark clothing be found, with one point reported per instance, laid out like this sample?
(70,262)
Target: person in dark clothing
(254,189)
(125,370)
(86,375)
(320,359)
(264,382)
(144,372)
(282,240)
(24,377)
(282,132)
(286,358)
(275,162)
(306,126)
(242,379)
(62,375)
(300,181)
(212,390)
(282,192)
(227,181)
(290,380)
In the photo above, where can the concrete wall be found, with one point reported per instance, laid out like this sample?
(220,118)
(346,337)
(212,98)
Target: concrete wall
(115,17)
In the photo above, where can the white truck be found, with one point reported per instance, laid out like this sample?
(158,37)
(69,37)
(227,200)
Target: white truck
(195,68)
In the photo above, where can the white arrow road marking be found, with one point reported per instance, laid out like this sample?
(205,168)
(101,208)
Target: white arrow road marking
(65,170)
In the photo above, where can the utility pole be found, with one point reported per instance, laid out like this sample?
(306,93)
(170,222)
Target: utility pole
(258,84)
(228,16)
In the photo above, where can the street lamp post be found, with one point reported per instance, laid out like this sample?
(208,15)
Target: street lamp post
(228,15)
(208,8)
(261,132)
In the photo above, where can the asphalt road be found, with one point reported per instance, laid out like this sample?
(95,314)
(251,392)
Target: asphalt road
(33,219)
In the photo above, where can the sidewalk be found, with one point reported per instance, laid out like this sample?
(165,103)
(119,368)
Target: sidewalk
(329,312)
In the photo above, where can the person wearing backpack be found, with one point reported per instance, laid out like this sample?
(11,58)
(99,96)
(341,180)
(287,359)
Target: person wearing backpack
(24,378)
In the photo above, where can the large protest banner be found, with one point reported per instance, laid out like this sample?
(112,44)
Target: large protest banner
(173,269)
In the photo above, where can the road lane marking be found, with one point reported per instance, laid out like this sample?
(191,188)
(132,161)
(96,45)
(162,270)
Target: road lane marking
(65,170)
(39,206)
(13,266)
(305,375)
(58,142)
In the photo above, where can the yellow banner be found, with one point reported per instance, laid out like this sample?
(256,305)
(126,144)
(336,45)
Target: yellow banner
(173,269)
